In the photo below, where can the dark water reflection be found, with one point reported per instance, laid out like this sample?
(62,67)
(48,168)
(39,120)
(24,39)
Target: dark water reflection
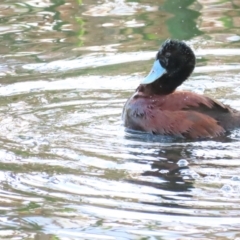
(68,168)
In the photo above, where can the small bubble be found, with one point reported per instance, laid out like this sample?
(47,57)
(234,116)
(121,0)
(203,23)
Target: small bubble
(195,175)
(182,163)
(227,188)
(235,178)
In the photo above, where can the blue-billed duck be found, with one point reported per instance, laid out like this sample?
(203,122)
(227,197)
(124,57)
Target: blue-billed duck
(157,108)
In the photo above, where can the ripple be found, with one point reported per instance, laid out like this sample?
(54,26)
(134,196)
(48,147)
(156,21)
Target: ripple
(117,7)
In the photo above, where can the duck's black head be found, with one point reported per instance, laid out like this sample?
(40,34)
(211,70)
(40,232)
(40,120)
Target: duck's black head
(174,63)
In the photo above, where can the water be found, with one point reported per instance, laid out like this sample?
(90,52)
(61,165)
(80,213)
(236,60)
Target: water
(68,169)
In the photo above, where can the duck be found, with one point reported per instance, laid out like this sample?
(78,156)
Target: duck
(157,108)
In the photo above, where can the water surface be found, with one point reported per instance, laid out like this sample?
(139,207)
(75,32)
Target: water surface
(68,168)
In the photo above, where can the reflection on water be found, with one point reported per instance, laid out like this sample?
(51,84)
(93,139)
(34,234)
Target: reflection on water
(69,170)
(182,24)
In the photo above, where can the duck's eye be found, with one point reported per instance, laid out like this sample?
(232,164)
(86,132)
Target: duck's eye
(163,62)
(167,54)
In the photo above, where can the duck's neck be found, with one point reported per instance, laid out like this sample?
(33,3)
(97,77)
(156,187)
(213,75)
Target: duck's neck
(159,87)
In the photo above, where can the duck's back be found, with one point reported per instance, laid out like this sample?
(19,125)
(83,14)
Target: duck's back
(180,113)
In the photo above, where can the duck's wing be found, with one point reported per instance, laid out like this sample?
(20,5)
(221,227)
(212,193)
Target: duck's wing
(226,116)
(183,100)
